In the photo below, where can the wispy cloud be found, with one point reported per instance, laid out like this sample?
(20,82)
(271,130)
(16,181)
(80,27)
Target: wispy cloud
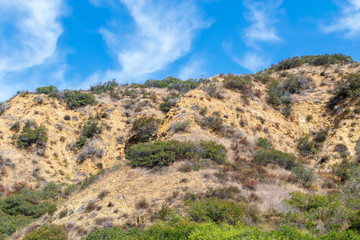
(34,31)
(29,33)
(253,62)
(348,22)
(164,33)
(192,69)
(262,17)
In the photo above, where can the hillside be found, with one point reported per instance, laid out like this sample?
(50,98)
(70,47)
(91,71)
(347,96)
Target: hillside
(157,154)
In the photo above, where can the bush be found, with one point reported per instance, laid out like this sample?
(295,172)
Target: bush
(355,221)
(32,135)
(267,156)
(3,107)
(169,102)
(213,151)
(306,146)
(316,60)
(15,127)
(314,212)
(220,211)
(51,232)
(91,128)
(214,123)
(20,209)
(320,136)
(240,83)
(214,90)
(296,84)
(143,129)
(80,142)
(263,143)
(349,89)
(113,233)
(46,90)
(9,224)
(27,203)
(342,170)
(287,64)
(174,83)
(305,175)
(109,86)
(75,99)
(163,153)
(179,126)
(275,93)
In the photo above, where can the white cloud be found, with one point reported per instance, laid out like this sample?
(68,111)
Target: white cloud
(262,18)
(34,31)
(349,22)
(253,62)
(193,69)
(164,31)
(29,31)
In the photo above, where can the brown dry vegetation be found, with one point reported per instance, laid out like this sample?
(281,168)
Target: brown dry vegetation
(134,196)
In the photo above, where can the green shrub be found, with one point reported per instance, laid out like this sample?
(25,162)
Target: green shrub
(143,130)
(263,143)
(262,77)
(214,123)
(296,84)
(46,90)
(15,127)
(3,107)
(113,233)
(169,102)
(218,211)
(240,83)
(214,90)
(32,135)
(184,86)
(91,128)
(306,146)
(320,136)
(316,60)
(179,126)
(213,151)
(21,209)
(51,232)
(174,83)
(109,86)
(355,221)
(9,224)
(27,203)
(275,93)
(342,170)
(287,64)
(313,211)
(70,189)
(279,92)
(163,153)
(268,156)
(345,235)
(80,142)
(305,175)
(349,89)
(75,99)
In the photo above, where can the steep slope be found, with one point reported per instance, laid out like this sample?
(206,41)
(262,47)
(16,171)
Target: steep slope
(270,111)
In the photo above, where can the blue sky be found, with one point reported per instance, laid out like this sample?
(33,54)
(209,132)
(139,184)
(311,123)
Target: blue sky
(75,43)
